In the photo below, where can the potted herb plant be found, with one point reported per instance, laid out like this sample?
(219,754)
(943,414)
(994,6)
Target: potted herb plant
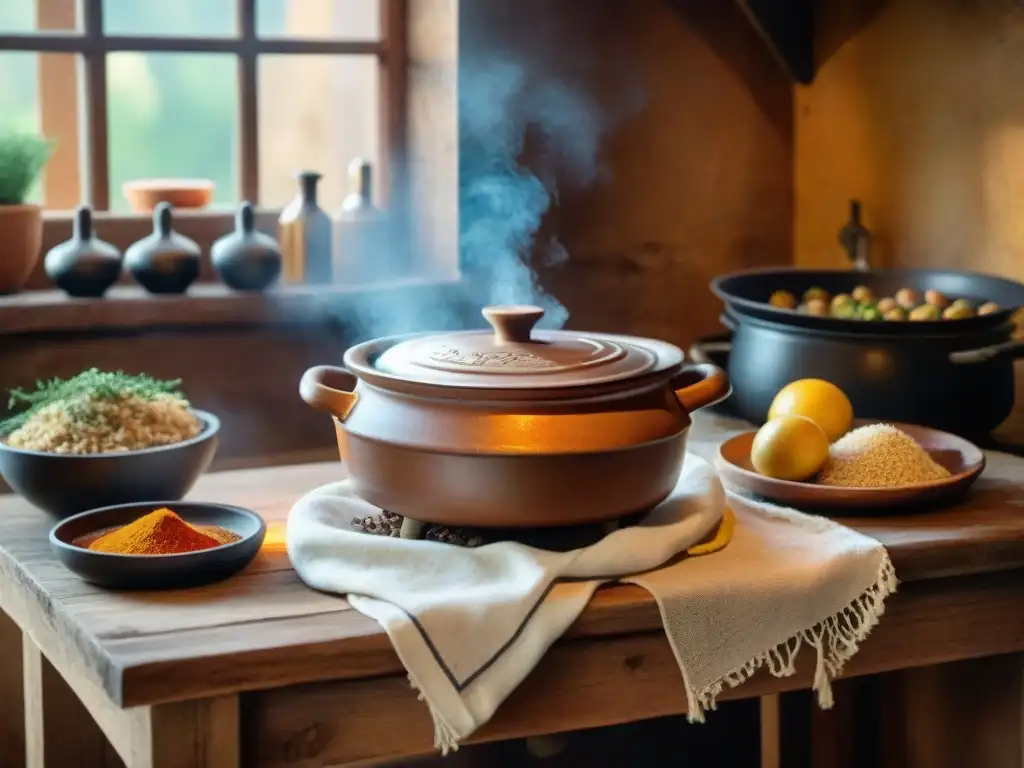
(22,158)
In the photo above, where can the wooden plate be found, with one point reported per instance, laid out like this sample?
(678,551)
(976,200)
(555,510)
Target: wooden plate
(964,460)
(190,569)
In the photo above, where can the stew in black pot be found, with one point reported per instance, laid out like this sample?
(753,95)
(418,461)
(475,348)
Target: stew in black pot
(954,374)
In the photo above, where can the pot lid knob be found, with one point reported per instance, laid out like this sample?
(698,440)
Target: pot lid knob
(512,323)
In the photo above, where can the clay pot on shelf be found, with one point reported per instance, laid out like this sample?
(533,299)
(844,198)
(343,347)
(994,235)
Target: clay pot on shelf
(163,262)
(21,238)
(83,266)
(246,260)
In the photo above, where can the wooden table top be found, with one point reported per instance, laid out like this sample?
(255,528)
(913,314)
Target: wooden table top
(265,629)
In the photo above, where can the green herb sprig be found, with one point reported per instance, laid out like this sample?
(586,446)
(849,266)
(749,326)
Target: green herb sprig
(22,157)
(79,391)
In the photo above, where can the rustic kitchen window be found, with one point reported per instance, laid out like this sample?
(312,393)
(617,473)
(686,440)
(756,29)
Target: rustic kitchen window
(244,92)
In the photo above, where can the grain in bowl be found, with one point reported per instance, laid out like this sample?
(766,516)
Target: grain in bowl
(99,412)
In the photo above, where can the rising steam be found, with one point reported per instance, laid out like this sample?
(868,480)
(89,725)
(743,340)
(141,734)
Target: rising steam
(502,201)
(529,123)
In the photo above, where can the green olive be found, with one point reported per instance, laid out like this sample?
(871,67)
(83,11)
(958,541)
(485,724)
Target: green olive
(783,300)
(884,305)
(863,294)
(871,313)
(962,303)
(988,308)
(841,299)
(957,312)
(907,298)
(936,299)
(924,312)
(817,307)
(896,313)
(845,310)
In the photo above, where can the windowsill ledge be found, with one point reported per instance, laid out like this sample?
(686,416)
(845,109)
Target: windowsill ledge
(131,308)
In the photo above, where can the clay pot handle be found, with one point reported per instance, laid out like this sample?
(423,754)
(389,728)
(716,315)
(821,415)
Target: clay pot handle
(512,323)
(699,386)
(329,389)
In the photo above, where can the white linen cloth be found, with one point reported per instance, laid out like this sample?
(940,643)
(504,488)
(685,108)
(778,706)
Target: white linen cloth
(470,623)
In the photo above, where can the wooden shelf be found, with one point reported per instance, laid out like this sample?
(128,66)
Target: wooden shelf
(130,308)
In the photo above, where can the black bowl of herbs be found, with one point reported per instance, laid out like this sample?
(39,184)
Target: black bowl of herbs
(104,438)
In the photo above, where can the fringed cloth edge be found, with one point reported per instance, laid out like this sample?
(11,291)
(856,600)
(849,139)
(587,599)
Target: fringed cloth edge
(835,641)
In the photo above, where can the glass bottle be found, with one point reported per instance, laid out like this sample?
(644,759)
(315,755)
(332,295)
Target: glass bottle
(361,241)
(359,201)
(304,235)
(855,239)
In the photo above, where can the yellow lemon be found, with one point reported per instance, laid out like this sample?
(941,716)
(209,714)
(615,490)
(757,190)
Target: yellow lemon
(789,448)
(818,400)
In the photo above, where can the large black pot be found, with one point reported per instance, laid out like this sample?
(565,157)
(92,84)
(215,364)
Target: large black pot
(953,375)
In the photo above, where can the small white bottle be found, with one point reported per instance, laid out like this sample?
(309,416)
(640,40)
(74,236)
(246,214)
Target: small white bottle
(360,229)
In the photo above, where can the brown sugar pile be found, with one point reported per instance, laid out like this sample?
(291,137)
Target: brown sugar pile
(879,456)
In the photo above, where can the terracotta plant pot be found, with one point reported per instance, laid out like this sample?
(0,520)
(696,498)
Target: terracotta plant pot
(21,238)
(515,428)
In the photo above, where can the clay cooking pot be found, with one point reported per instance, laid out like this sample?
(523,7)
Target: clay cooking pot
(516,427)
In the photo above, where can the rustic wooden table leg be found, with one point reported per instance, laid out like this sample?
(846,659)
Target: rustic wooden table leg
(771,749)
(59,731)
(12,715)
(965,713)
(192,734)
(810,737)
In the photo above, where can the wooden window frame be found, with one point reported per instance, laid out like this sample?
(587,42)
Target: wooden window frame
(90,45)
(420,121)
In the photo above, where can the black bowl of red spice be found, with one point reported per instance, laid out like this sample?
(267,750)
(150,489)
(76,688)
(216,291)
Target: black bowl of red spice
(158,545)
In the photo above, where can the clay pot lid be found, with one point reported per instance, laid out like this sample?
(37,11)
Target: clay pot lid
(515,355)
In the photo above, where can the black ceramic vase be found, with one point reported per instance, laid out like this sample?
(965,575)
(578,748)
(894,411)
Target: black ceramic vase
(84,266)
(163,262)
(246,260)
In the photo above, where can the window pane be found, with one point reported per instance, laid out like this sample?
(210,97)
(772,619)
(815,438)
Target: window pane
(338,19)
(22,16)
(19,98)
(172,115)
(40,96)
(196,18)
(316,113)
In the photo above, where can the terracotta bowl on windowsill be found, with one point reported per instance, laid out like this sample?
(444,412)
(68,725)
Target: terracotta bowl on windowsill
(143,195)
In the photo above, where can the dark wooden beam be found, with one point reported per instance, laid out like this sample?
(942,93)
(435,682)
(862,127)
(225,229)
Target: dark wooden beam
(788,28)
(95,139)
(248,113)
